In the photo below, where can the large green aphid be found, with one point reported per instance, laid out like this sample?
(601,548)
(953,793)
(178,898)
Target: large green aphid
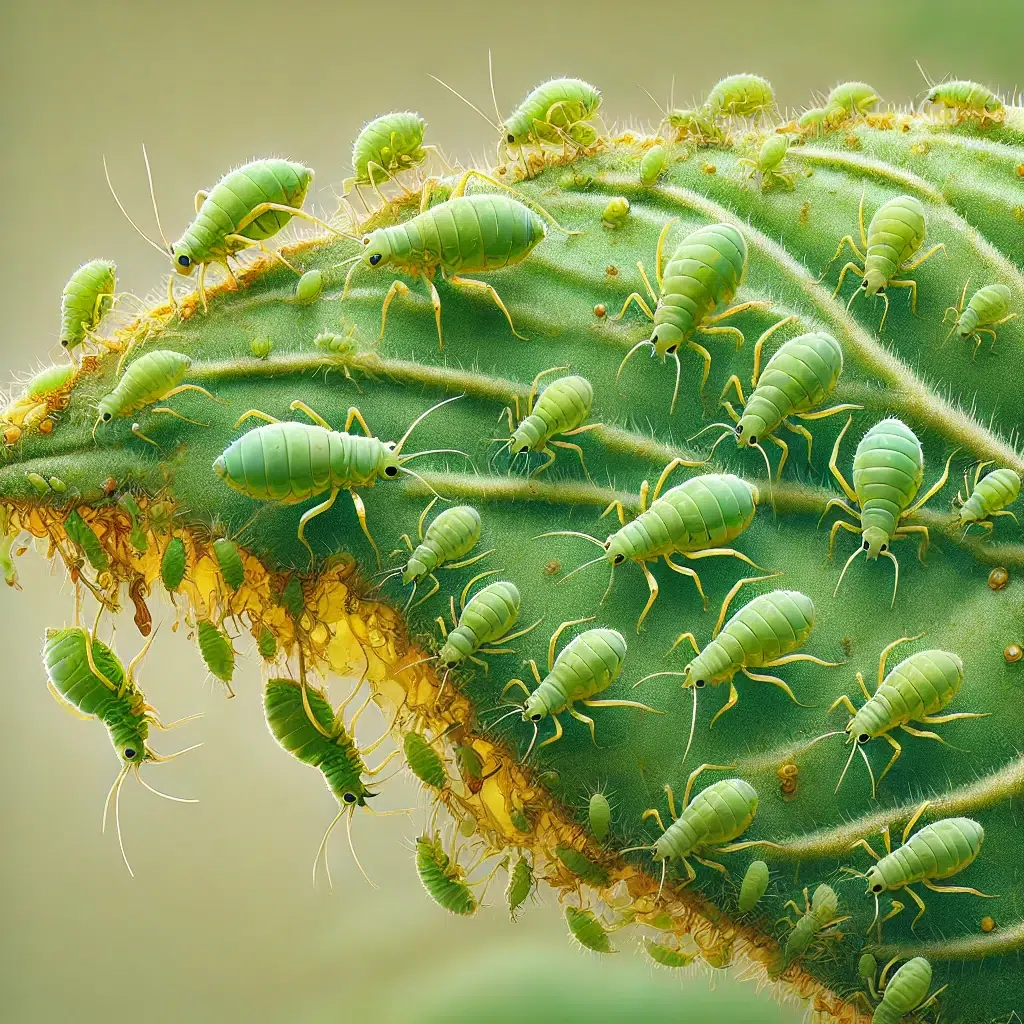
(988,497)
(587,930)
(966,100)
(153,377)
(453,533)
(853,98)
(308,728)
(888,469)
(914,691)
(893,238)
(462,235)
(86,676)
(817,918)
(741,96)
(561,408)
(693,519)
(585,667)
(799,377)
(989,307)
(289,462)
(384,148)
(706,268)
(443,878)
(765,633)
(716,816)
(86,299)
(557,111)
(905,992)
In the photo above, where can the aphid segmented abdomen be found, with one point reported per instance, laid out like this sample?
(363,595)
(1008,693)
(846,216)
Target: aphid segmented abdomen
(78,310)
(895,233)
(587,665)
(440,879)
(905,991)
(988,304)
(969,95)
(768,627)
(994,492)
(147,380)
(799,376)
(920,685)
(290,725)
(717,814)
(424,761)
(887,472)
(587,930)
(939,850)
(564,404)
(713,509)
(492,612)
(67,667)
(740,95)
(450,536)
(386,140)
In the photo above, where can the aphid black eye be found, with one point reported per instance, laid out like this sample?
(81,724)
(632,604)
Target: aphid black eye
(876,888)
(375,259)
(618,559)
(510,137)
(753,439)
(536,718)
(129,753)
(699,683)
(390,470)
(863,738)
(184,261)
(884,547)
(349,798)
(881,291)
(106,417)
(866,545)
(671,349)
(739,428)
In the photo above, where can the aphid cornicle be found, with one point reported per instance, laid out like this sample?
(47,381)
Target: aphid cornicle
(816,918)
(988,498)
(966,99)
(893,238)
(767,167)
(453,534)
(914,691)
(385,147)
(307,727)
(717,815)
(442,877)
(741,95)
(989,307)
(906,991)
(560,409)
(800,376)
(754,886)
(588,931)
(940,850)
(153,377)
(693,519)
(764,633)
(86,299)
(888,468)
(289,462)
(84,675)
(465,234)
(585,667)
(706,268)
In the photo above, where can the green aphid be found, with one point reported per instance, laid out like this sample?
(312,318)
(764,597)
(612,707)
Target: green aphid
(653,164)
(599,812)
(669,956)
(38,483)
(582,866)
(217,652)
(266,644)
(82,534)
(137,535)
(615,213)
(519,819)
(50,380)
(310,287)
(520,885)
(172,565)
(336,344)
(754,884)
(261,347)
(424,761)
(57,485)
(230,562)
(292,599)
(588,931)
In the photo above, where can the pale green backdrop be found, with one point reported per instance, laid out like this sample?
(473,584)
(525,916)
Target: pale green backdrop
(221,922)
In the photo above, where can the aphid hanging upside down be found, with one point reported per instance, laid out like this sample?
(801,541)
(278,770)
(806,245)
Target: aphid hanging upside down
(307,727)
(443,878)
(718,814)
(801,375)
(585,667)
(989,307)
(988,498)
(561,408)
(85,676)
(464,234)
(893,238)
(289,462)
(764,633)
(914,691)
(707,267)
(888,468)
(692,519)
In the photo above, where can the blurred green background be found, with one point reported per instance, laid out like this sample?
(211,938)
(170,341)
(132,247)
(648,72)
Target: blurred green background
(221,922)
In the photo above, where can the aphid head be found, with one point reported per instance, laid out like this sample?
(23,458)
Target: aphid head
(534,708)
(389,462)
(616,549)
(874,283)
(129,739)
(875,542)
(376,248)
(750,429)
(183,259)
(876,884)
(355,796)
(666,339)
(522,440)
(449,657)
(107,408)
(414,571)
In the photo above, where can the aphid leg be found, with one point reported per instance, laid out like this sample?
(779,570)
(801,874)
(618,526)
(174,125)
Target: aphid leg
(822,413)
(833,466)
(922,548)
(636,297)
(897,751)
(730,703)
(785,449)
(685,571)
(138,433)
(192,387)
(788,659)
(956,888)
(177,415)
(255,414)
(928,255)
(397,288)
(711,864)
(585,719)
(553,739)
(464,282)
(704,354)
(781,684)
(734,590)
(847,267)
(679,639)
(652,812)
(733,382)
(839,524)
(652,584)
(323,507)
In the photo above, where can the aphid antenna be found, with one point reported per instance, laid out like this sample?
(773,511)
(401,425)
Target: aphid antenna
(115,792)
(533,740)
(640,344)
(120,206)
(166,796)
(580,568)
(419,419)
(494,96)
(472,106)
